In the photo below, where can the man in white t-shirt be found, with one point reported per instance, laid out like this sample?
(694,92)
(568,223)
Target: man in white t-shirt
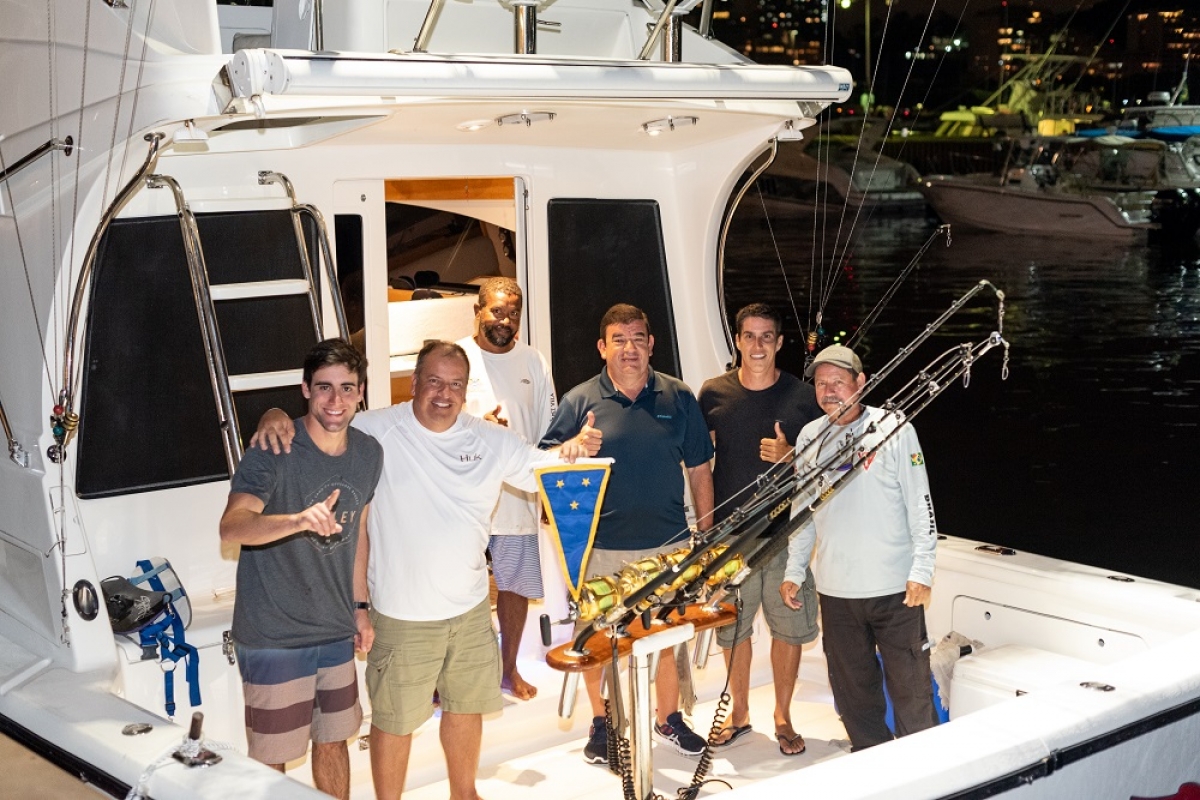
(427,573)
(510,385)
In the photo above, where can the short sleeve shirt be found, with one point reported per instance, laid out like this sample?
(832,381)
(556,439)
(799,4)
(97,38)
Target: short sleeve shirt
(298,591)
(741,418)
(648,438)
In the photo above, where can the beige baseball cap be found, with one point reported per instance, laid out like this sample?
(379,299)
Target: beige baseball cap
(839,356)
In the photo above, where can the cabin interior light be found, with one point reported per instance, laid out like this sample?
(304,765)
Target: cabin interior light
(526,118)
(656,127)
(475,124)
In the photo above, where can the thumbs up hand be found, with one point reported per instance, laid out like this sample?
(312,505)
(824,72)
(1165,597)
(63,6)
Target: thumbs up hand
(496,416)
(777,449)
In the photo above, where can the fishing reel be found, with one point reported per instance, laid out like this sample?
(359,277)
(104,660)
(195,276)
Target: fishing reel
(604,597)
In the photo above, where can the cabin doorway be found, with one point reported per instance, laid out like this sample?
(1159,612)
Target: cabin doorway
(411,256)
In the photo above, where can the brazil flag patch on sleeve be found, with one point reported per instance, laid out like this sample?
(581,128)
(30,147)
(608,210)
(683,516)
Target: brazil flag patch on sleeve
(917,459)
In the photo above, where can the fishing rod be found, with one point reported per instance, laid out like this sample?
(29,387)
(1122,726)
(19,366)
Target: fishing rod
(822,481)
(691,570)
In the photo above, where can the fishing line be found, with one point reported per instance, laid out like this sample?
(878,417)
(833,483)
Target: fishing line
(779,256)
(840,258)
(63,292)
(887,296)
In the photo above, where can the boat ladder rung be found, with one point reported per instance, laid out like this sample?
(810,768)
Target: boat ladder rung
(243,291)
(265,380)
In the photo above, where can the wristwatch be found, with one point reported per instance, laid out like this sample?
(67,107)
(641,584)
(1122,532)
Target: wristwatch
(362,605)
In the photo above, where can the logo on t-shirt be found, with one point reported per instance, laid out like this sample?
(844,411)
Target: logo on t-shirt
(916,459)
(467,458)
(346,513)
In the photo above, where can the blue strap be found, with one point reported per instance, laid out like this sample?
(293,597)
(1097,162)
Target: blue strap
(150,574)
(167,634)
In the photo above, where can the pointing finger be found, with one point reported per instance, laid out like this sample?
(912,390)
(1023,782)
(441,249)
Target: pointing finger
(331,501)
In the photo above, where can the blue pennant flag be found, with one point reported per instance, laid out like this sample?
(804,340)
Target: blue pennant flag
(572,495)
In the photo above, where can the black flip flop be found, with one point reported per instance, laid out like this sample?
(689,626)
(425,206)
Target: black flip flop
(785,740)
(736,732)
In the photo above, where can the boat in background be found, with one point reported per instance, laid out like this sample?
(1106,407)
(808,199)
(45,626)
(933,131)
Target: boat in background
(193,193)
(1112,187)
(834,173)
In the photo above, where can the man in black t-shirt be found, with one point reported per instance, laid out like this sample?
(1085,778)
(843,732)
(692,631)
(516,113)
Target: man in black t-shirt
(754,413)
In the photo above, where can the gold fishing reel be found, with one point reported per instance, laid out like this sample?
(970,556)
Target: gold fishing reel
(599,596)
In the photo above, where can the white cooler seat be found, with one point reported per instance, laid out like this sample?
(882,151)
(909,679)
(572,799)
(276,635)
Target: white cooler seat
(1000,673)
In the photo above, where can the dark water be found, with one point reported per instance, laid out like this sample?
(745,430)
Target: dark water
(1090,451)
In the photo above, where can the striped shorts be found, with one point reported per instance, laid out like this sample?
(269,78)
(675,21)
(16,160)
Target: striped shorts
(516,564)
(298,694)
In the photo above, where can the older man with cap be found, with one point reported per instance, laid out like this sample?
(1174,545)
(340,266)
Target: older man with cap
(875,542)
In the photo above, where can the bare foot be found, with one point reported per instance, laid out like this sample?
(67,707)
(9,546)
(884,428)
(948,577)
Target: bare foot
(518,687)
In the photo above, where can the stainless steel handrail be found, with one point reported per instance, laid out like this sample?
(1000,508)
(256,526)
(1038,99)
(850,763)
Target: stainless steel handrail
(725,234)
(706,16)
(657,30)
(335,291)
(265,177)
(15,451)
(426,32)
(214,350)
(66,145)
(299,209)
(67,393)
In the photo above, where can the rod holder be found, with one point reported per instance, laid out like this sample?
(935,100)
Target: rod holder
(703,643)
(570,690)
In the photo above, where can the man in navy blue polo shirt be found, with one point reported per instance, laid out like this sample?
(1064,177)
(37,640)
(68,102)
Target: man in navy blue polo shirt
(652,424)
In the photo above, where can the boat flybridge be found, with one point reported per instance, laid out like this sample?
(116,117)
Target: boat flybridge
(193,193)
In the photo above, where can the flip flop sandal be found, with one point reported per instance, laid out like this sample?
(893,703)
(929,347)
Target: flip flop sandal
(735,732)
(785,741)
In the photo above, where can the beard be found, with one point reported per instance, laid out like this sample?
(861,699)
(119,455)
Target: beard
(499,335)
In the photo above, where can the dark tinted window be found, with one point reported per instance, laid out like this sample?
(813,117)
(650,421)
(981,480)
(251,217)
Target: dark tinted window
(147,415)
(604,252)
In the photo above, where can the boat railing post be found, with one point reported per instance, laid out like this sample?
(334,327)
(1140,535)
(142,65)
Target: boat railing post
(642,660)
(706,15)
(66,145)
(656,31)
(570,690)
(672,38)
(431,15)
(15,451)
(339,309)
(525,24)
(318,25)
(266,177)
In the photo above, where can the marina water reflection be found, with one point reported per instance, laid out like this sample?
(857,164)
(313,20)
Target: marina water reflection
(1090,451)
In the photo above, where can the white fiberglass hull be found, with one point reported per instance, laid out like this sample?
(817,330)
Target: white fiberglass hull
(973,204)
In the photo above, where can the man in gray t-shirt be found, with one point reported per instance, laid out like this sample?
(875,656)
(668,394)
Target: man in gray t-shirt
(300,519)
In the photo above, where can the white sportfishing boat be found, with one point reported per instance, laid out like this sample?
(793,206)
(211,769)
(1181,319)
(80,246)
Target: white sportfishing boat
(1110,187)
(187,191)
